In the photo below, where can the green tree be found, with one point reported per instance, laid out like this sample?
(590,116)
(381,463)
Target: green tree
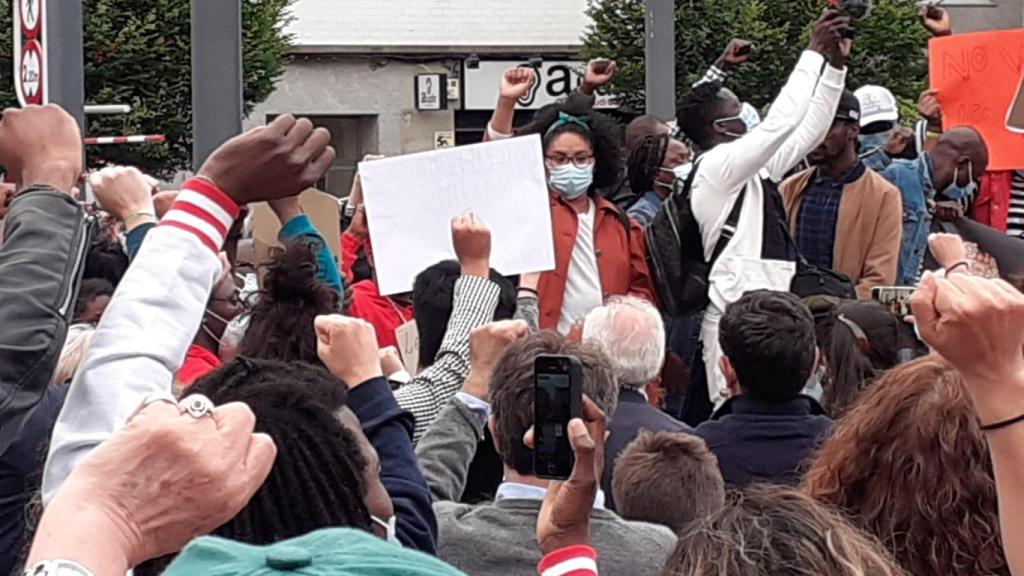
(138,52)
(889,49)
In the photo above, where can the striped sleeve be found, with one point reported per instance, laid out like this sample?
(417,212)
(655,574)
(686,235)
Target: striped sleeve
(203,210)
(569,561)
(475,302)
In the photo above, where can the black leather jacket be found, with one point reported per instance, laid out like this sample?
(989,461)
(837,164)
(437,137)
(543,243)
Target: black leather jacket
(46,237)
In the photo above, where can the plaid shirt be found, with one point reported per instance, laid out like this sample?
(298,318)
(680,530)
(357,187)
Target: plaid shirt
(475,301)
(816,223)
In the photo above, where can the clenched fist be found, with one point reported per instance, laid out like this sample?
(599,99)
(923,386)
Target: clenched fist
(487,344)
(41,145)
(123,191)
(516,82)
(472,242)
(278,160)
(348,347)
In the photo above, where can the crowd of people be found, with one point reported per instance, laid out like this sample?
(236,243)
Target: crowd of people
(750,404)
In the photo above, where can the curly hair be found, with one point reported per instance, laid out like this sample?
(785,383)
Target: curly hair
(603,134)
(281,327)
(772,530)
(697,111)
(910,464)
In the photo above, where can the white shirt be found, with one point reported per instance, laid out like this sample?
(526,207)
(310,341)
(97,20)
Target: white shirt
(582,282)
(798,121)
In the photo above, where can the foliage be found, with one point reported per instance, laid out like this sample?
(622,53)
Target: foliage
(889,49)
(138,52)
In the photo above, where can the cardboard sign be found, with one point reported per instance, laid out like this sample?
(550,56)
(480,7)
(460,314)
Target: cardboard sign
(411,200)
(978,78)
(322,209)
(408,338)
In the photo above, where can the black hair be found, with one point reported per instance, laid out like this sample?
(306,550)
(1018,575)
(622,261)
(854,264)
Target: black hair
(697,111)
(433,298)
(769,339)
(281,327)
(603,134)
(645,162)
(89,290)
(642,127)
(316,481)
(852,369)
(105,260)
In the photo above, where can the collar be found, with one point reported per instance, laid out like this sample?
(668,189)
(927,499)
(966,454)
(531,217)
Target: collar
(743,404)
(853,174)
(516,491)
(633,395)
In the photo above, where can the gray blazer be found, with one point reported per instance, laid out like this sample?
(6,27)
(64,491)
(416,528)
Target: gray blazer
(500,538)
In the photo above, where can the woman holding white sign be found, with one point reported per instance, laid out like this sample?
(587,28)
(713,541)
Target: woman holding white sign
(599,251)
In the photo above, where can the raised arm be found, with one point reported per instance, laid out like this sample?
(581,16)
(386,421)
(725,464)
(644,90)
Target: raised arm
(155,313)
(45,241)
(728,166)
(515,83)
(476,299)
(296,226)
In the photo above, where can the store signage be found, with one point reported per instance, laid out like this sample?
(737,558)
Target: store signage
(556,80)
(431,92)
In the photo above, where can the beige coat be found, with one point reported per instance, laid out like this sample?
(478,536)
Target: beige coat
(868,231)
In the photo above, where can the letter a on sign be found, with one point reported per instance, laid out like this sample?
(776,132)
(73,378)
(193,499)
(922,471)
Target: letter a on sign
(30,81)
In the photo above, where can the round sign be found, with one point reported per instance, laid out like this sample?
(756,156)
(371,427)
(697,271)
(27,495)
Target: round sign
(31,74)
(30,16)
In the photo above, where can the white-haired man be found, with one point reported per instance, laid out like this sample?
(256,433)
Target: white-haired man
(631,332)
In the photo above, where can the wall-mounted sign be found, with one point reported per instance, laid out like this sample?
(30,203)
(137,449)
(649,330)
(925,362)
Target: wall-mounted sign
(30,80)
(444,139)
(555,80)
(431,91)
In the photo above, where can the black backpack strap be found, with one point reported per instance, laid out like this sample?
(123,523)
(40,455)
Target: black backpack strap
(729,228)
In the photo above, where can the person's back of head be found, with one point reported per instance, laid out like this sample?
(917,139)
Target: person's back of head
(631,333)
(668,478)
(93,296)
(768,341)
(865,339)
(511,391)
(105,259)
(281,322)
(910,464)
(773,531)
(960,157)
(641,127)
(316,481)
(698,111)
(433,300)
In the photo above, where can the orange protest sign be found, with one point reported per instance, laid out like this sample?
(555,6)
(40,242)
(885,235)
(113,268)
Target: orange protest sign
(977,76)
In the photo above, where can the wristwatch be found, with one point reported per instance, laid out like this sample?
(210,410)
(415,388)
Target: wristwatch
(58,568)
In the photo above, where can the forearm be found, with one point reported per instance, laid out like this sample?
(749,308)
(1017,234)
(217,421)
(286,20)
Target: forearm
(528,310)
(146,330)
(75,531)
(300,227)
(447,449)
(503,117)
(46,238)
(476,299)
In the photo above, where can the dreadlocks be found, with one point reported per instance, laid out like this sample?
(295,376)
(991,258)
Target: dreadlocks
(647,158)
(316,481)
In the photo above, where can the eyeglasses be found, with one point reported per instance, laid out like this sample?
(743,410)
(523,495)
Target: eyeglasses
(560,160)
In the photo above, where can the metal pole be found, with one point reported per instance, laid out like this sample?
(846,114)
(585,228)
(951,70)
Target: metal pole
(108,109)
(216,75)
(660,56)
(66,60)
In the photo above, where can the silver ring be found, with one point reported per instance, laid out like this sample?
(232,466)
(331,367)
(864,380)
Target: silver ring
(198,406)
(154,398)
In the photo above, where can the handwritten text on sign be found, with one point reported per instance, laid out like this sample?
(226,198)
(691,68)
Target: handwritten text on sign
(977,76)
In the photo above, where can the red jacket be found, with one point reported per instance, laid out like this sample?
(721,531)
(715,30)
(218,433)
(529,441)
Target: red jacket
(385,315)
(198,363)
(992,206)
(621,261)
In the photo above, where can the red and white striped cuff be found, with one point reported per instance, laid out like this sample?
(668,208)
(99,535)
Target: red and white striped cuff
(204,210)
(569,561)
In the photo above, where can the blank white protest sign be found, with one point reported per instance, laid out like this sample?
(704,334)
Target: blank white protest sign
(411,200)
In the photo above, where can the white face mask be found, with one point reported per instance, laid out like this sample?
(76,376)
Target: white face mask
(231,339)
(390,527)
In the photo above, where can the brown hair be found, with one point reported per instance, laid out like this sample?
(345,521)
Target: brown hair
(511,390)
(668,478)
(911,466)
(768,530)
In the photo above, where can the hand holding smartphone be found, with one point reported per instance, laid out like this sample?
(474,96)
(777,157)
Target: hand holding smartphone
(558,398)
(895,298)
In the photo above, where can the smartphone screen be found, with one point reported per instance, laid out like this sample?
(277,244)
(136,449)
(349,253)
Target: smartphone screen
(895,298)
(557,399)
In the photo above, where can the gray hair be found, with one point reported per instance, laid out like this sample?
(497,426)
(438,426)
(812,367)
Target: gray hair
(632,334)
(71,356)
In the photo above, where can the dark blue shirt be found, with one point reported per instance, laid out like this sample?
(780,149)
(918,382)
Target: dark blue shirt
(761,441)
(819,211)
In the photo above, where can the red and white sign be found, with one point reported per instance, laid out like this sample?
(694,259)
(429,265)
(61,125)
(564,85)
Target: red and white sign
(30,80)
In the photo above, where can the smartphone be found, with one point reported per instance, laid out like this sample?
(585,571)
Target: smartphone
(601,66)
(743,50)
(557,398)
(895,298)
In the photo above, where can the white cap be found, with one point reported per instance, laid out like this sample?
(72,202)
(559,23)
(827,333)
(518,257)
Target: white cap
(877,104)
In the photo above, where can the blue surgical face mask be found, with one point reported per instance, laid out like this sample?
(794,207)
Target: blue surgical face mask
(871,143)
(571,181)
(956,192)
(750,116)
